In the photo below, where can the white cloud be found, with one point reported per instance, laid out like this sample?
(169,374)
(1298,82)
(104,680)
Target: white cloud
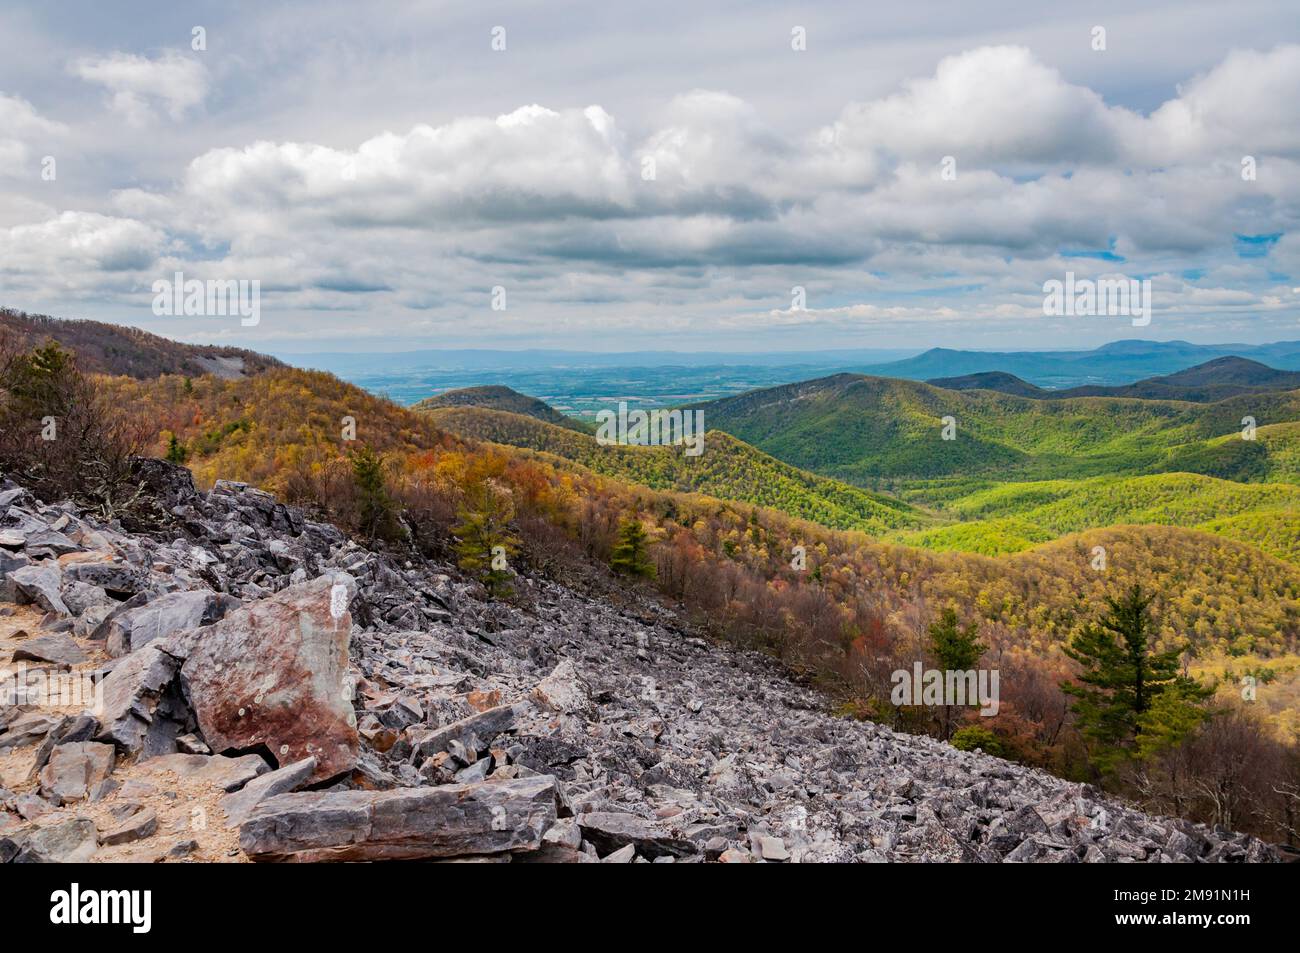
(139,85)
(408,230)
(22,131)
(72,246)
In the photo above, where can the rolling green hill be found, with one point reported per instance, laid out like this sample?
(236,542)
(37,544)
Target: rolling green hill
(728,469)
(879,432)
(1023,471)
(1015,516)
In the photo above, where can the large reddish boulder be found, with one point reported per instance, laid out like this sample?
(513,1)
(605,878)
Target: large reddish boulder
(274,674)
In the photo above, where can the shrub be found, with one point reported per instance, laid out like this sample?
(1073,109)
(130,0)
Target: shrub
(976,736)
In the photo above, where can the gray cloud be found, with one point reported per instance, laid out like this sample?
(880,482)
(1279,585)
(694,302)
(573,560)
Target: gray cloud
(379,179)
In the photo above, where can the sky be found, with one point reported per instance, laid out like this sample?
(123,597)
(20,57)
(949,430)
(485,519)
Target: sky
(673,176)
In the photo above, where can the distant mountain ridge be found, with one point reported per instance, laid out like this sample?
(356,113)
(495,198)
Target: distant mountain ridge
(119,349)
(1214,380)
(1116,363)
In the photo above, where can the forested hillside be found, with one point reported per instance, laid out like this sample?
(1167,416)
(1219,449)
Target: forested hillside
(120,349)
(728,469)
(877,432)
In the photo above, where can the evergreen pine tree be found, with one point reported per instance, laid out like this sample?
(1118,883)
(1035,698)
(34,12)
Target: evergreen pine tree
(631,556)
(376,509)
(176,452)
(956,649)
(1130,699)
(483,538)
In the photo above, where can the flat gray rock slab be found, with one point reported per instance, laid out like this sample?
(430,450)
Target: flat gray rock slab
(55,647)
(453,820)
(281,781)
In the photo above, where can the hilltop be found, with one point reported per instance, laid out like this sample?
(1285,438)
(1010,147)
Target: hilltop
(119,349)
(841,608)
(880,432)
(496,397)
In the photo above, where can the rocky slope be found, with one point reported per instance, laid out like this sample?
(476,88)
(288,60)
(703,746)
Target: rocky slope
(273,691)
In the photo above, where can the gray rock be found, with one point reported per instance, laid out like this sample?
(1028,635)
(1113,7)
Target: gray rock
(133,696)
(137,823)
(70,730)
(28,728)
(47,543)
(39,584)
(281,781)
(166,616)
(79,597)
(609,831)
(111,576)
(9,564)
(192,744)
(773,848)
(90,619)
(32,806)
(73,769)
(475,732)
(565,690)
(406,824)
(73,841)
(56,647)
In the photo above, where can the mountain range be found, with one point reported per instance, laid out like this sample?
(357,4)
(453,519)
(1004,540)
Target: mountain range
(1214,380)
(1120,362)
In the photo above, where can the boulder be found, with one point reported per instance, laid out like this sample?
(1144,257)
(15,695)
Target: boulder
(565,690)
(475,733)
(73,769)
(73,841)
(274,674)
(55,647)
(132,709)
(39,584)
(49,542)
(28,727)
(71,729)
(134,822)
(282,781)
(112,576)
(9,564)
(454,820)
(165,616)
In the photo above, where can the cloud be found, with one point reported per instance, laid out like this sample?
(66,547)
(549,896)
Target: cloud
(701,214)
(996,104)
(74,246)
(139,85)
(22,130)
